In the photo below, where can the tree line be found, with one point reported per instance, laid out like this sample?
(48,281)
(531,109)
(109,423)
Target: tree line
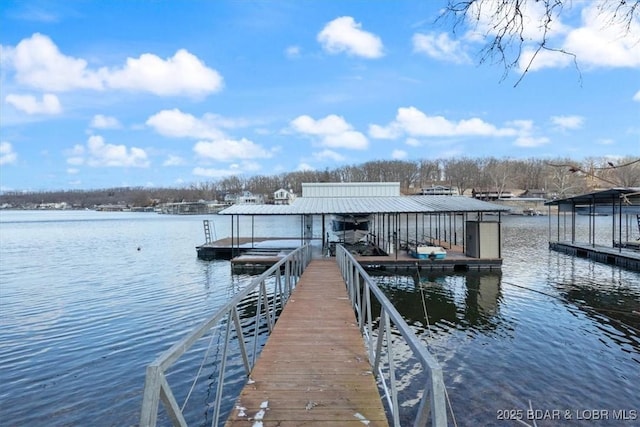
(558,178)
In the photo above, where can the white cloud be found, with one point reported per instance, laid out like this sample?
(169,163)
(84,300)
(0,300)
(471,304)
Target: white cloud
(524,126)
(525,134)
(399,154)
(329,155)
(413,142)
(30,104)
(183,73)
(529,141)
(227,150)
(351,139)
(636,97)
(173,160)
(483,19)
(440,47)
(292,51)
(101,121)
(101,154)
(7,155)
(38,63)
(415,123)
(333,131)
(331,124)
(343,34)
(568,122)
(72,171)
(596,43)
(380,132)
(96,153)
(174,123)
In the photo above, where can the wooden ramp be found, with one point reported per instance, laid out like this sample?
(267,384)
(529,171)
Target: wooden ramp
(313,371)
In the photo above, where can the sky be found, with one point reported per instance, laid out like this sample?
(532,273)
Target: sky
(102,94)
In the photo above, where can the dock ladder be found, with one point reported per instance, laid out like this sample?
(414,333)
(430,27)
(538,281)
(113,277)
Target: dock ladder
(207,231)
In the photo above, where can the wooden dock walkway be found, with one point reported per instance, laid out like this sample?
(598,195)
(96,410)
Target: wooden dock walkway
(313,370)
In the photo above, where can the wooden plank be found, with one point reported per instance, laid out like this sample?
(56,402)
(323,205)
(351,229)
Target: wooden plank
(313,371)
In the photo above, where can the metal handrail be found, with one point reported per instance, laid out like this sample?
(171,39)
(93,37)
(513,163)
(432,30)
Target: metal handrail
(287,272)
(360,288)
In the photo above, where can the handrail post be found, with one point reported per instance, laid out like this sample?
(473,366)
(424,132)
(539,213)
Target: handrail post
(223,365)
(438,417)
(356,288)
(433,401)
(157,388)
(151,397)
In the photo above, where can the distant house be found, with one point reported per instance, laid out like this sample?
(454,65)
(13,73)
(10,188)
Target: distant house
(439,190)
(492,194)
(248,198)
(283,197)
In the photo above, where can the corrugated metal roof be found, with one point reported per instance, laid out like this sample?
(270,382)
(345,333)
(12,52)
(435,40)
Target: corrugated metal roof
(612,195)
(368,205)
(351,189)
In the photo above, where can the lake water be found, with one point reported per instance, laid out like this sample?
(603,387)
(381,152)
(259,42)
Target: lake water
(88,299)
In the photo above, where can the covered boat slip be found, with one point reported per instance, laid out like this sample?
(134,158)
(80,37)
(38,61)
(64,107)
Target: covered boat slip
(468,229)
(621,242)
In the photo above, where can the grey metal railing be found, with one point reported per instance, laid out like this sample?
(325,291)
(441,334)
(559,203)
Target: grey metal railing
(380,343)
(286,274)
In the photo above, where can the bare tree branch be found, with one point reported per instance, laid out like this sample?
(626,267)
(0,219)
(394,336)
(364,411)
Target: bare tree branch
(504,26)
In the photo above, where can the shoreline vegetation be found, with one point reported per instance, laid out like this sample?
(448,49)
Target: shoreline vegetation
(502,178)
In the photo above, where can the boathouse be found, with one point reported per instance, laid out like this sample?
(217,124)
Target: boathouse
(469,229)
(612,240)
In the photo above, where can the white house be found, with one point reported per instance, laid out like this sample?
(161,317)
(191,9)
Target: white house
(248,198)
(283,197)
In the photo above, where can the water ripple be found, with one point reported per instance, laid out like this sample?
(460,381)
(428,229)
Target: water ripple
(80,323)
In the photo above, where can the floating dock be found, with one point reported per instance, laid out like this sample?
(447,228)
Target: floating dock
(622,205)
(228,248)
(313,370)
(626,258)
(251,255)
(255,255)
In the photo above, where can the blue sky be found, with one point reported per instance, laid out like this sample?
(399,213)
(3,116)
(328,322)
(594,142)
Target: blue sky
(98,94)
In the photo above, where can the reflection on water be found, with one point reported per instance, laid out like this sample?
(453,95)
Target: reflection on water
(463,300)
(551,332)
(612,304)
(81,321)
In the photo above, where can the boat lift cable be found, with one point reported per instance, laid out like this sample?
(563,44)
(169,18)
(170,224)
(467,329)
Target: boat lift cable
(426,317)
(586,307)
(195,380)
(206,356)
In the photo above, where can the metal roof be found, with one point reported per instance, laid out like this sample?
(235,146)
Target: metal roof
(631,195)
(368,205)
(351,189)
